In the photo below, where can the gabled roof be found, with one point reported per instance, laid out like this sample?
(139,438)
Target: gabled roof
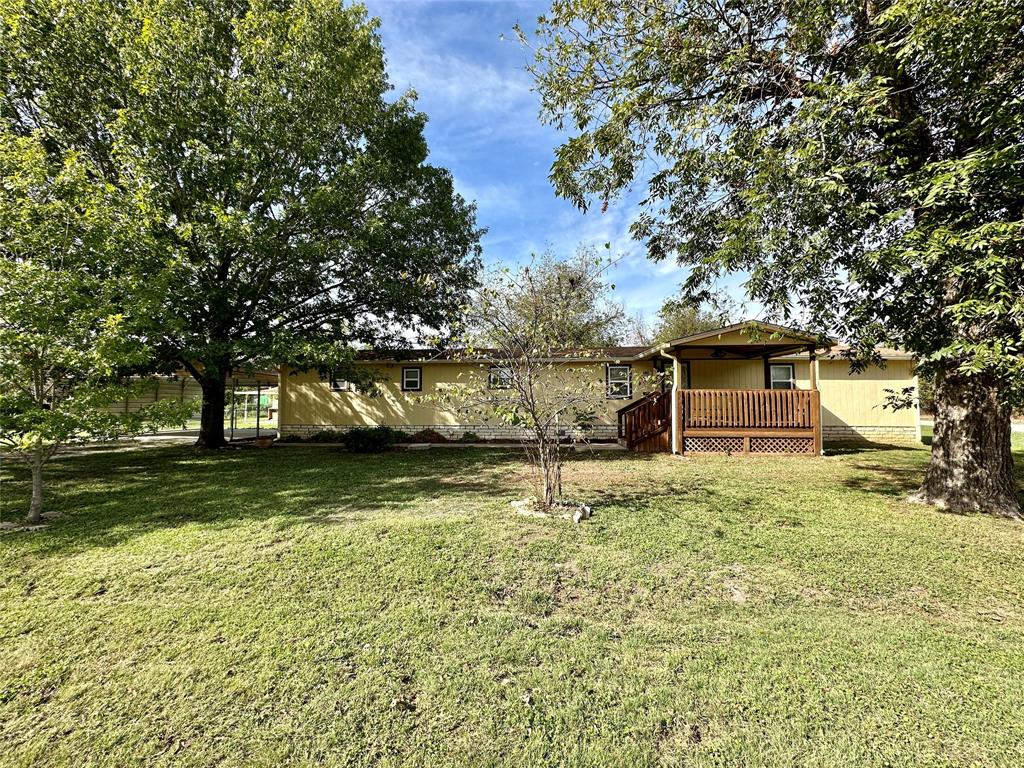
(747,339)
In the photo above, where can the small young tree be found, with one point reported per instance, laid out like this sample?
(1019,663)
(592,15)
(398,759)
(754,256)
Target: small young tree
(69,308)
(536,377)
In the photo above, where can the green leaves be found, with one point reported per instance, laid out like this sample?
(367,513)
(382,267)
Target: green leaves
(862,165)
(287,192)
(73,313)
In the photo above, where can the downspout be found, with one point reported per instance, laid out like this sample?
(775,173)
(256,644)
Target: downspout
(812,370)
(676,376)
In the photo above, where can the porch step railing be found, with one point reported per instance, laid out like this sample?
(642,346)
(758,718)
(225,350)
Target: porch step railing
(645,419)
(747,408)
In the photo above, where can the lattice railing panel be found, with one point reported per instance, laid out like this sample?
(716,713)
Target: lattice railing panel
(782,445)
(713,445)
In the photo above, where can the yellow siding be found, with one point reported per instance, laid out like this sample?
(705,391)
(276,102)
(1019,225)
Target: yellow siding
(742,337)
(847,400)
(727,374)
(306,399)
(856,399)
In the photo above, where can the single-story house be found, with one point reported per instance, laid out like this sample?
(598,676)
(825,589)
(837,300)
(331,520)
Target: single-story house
(743,388)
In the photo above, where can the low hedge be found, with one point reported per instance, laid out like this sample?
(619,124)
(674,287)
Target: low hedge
(370,439)
(426,436)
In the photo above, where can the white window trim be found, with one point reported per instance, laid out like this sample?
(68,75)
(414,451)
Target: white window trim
(491,377)
(628,382)
(791,380)
(419,379)
(341,385)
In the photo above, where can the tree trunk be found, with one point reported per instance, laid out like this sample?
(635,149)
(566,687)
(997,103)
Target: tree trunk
(35,508)
(548,465)
(211,419)
(971,467)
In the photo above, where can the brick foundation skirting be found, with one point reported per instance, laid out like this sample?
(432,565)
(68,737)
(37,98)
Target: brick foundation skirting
(846,434)
(484,431)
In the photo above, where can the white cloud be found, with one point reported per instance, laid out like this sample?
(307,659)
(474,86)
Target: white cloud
(441,53)
(484,126)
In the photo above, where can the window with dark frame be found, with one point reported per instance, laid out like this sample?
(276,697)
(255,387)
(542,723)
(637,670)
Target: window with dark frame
(619,381)
(412,379)
(782,376)
(499,377)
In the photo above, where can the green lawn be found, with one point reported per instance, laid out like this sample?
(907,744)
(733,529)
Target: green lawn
(301,606)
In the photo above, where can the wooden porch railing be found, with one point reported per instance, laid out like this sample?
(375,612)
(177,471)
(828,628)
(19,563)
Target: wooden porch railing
(748,408)
(645,419)
(760,421)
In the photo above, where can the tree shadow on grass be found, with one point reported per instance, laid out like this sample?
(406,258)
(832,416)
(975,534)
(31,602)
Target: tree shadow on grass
(901,480)
(886,480)
(866,447)
(105,499)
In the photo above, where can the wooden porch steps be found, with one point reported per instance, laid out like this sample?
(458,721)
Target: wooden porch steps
(645,425)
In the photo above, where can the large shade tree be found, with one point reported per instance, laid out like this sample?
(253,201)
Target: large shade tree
(861,161)
(290,194)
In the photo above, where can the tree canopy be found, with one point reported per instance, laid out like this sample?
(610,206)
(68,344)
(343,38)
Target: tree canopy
(861,163)
(289,193)
(679,316)
(569,301)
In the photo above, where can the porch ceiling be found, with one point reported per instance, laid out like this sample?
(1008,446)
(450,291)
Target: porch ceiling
(741,341)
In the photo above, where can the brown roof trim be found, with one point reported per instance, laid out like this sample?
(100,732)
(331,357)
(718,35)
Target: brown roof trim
(836,353)
(601,354)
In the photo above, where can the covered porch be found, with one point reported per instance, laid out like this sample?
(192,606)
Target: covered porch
(783,416)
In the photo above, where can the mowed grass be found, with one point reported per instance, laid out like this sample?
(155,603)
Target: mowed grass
(303,606)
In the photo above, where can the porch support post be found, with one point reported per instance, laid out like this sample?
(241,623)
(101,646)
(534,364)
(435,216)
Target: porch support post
(815,402)
(677,388)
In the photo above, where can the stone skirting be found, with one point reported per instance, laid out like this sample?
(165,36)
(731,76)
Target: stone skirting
(483,431)
(846,434)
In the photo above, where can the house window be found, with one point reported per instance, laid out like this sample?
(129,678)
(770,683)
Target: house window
(412,379)
(783,376)
(499,377)
(619,380)
(340,385)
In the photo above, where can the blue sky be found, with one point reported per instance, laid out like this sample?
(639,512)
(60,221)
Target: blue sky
(467,67)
